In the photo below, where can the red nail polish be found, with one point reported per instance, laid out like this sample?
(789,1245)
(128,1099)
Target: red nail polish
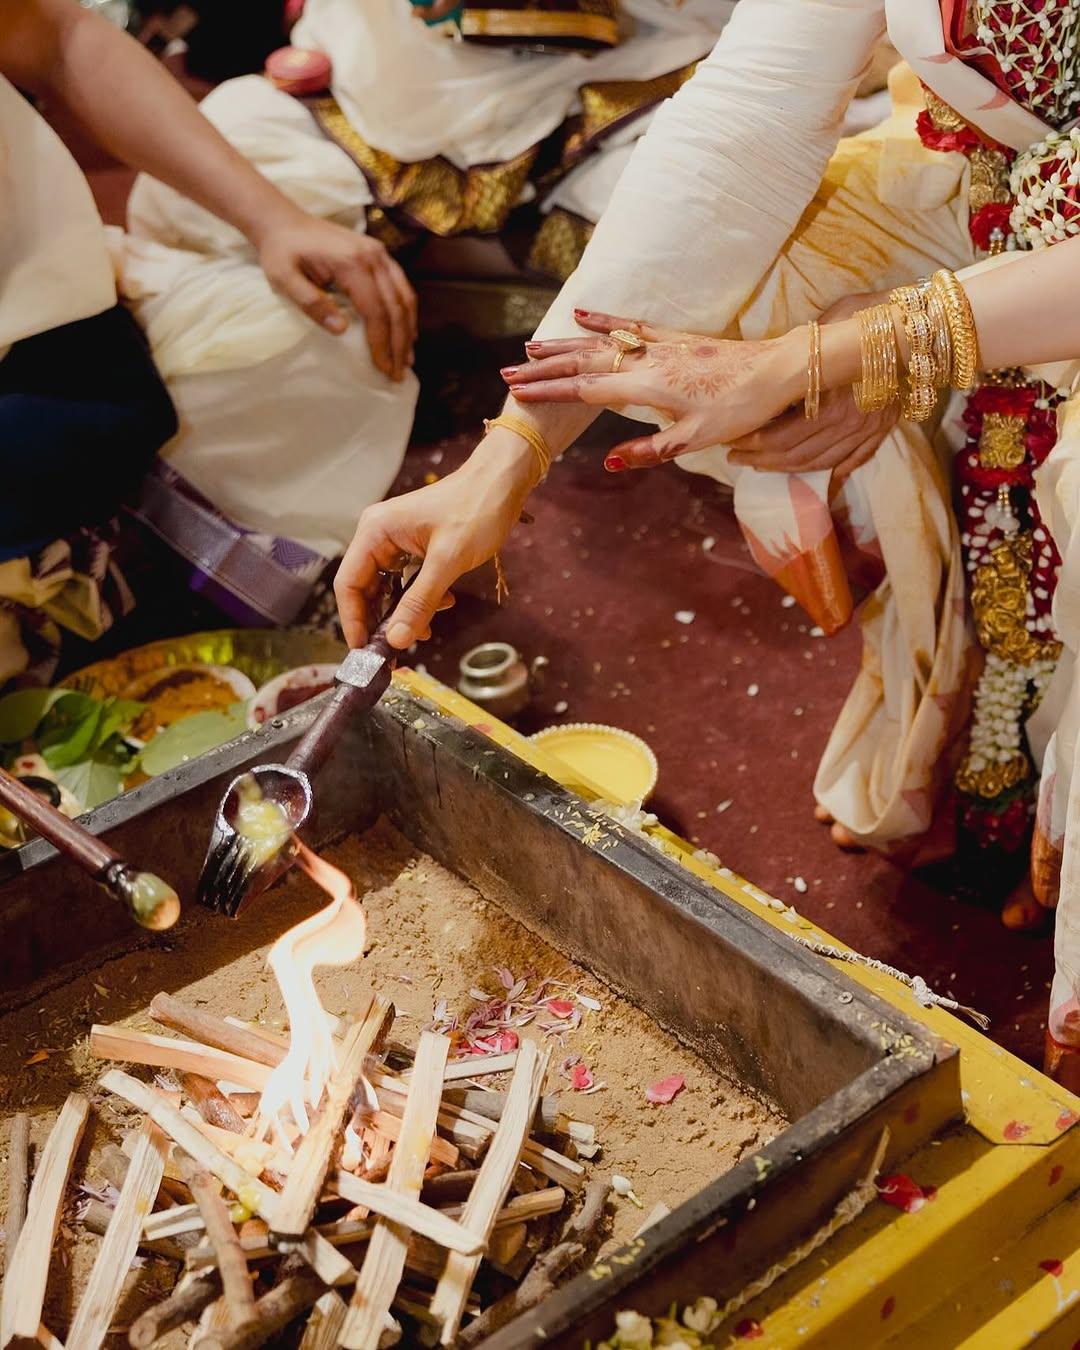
(508,372)
(532,347)
(614,464)
(582,313)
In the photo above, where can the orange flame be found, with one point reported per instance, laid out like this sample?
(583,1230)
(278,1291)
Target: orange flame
(335,936)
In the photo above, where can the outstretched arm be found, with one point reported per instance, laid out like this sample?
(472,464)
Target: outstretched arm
(138,112)
(709,196)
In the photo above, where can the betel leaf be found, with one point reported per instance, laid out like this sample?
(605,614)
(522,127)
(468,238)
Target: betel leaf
(93,780)
(21,711)
(67,732)
(78,727)
(192,736)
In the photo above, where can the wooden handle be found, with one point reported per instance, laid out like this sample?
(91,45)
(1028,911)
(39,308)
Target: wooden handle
(75,842)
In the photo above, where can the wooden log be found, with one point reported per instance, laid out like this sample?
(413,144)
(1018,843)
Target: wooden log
(211,1103)
(18,1180)
(384,1264)
(555,1166)
(256,1155)
(28,1265)
(411,1214)
(521,1208)
(471,1133)
(323,1328)
(541,1281)
(329,1264)
(231,1263)
(480,1066)
(488,1102)
(219,1032)
(491,1188)
(273,1312)
(121,1241)
(166,1052)
(95,1216)
(47,1340)
(449,1188)
(244,1103)
(184,1304)
(319,1147)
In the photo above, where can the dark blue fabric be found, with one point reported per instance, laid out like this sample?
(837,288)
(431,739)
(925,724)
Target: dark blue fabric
(83,411)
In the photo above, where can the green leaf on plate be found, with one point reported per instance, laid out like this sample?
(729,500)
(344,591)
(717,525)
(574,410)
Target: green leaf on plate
(67,733)
(191,737)
(93,781)
(21,712)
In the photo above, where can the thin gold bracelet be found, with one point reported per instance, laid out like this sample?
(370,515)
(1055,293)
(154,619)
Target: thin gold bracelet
(527,432)
(812,402)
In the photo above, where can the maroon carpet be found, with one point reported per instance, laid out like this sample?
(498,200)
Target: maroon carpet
(597,581)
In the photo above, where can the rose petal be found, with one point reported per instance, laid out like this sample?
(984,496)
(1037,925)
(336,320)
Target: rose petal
(581,1077)
(666,1090)
(902,1193)
(560,1007)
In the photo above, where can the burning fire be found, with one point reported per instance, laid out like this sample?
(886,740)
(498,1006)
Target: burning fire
(335,936)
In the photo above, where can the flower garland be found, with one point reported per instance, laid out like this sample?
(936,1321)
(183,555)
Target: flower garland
(1017,201)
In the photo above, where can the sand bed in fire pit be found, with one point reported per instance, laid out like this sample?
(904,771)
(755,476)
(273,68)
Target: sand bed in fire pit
(432,940)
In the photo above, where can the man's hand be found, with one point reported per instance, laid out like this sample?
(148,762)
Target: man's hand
(307,258)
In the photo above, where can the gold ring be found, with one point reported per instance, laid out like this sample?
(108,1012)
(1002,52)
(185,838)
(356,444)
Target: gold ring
(619,358)
(626,341)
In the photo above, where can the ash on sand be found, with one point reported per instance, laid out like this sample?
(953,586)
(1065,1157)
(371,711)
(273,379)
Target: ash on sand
(431,937)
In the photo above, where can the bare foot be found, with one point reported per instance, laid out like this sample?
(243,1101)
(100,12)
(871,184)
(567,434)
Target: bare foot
(1021,911)
(843,838)
(822,815)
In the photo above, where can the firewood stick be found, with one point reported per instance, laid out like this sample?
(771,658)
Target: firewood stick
(541,1281)
(411,1214)
(231,1262)
(323,1328)
(520,1208)
(384,1264)
(492,1186)
(18,1180)
(211,1103)
(184,1304)
(47,1340)
(273,1312)
(95,1216)
(28,1265)
(204,1026)
(331,1266)
(389,1125)
(256,1155)
(165,1052)
(319,1147)
(244,1104)
(121,1241)
(505,1243)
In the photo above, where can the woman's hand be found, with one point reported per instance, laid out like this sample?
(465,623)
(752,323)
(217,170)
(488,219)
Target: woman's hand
(454,525)
(840,437)
(714,391)
(305,257)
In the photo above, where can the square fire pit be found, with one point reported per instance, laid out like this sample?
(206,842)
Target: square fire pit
(839,1064)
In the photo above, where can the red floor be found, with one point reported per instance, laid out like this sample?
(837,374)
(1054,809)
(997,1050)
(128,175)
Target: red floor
(596,583)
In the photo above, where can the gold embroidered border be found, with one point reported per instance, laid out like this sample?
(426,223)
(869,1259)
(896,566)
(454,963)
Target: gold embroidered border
(608,103)
(509,24)
(560,241)
(433,193)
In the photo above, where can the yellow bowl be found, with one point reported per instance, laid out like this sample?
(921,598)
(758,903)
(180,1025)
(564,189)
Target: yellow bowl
(617,762)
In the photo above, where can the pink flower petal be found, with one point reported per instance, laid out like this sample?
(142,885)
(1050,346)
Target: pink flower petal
(581,1077)
(902,1193)
(666,1090)
(560,1007)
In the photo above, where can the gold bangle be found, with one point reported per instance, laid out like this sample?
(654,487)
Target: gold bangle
(812,402)
(921,394)
(943,356)
(879,384)
(527,432)
(961,323)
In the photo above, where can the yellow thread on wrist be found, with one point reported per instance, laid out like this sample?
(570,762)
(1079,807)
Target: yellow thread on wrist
(527,432)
